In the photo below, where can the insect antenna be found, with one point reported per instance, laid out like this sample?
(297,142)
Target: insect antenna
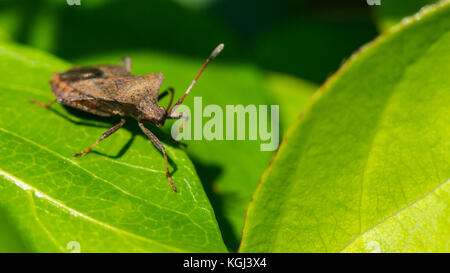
(215,52)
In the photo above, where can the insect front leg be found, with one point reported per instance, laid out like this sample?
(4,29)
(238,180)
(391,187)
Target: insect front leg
(160,147)
(127,62)
(42,104)
(185,118)
(105,135)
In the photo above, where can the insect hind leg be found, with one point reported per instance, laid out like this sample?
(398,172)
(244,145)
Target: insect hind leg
(41,104)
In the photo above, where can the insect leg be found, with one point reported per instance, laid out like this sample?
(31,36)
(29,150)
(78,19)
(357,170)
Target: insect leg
(42,104)
(105,135)
(178,115)
(185,118)
(163,94)
(127,62)
(160,147)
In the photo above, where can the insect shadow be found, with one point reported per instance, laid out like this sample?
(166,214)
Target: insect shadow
(77,122)
(108,122)
(207,172)
(209,175)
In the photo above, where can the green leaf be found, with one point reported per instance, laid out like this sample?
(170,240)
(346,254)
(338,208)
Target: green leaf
(32,22)
(10,242)
(228,183)
(390,13)
(366,168)
(115,199)
(291,94)
(422,226)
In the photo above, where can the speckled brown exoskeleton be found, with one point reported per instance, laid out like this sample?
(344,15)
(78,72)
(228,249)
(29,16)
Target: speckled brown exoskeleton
(109,90)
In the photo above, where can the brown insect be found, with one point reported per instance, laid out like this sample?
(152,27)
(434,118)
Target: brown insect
(109,90)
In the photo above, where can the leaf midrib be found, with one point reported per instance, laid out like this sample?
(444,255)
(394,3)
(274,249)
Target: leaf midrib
(90,173)
(72,211)
(396,213)
(96,177)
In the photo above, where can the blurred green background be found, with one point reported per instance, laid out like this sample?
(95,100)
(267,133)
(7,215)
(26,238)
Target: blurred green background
(304,38)
(277,52)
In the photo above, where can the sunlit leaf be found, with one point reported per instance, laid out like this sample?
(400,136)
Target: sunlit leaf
(366,168)
(220,163)
(115,199)
(389,13)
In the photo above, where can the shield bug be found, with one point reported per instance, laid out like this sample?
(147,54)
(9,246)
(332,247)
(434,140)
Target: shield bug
(109,90)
